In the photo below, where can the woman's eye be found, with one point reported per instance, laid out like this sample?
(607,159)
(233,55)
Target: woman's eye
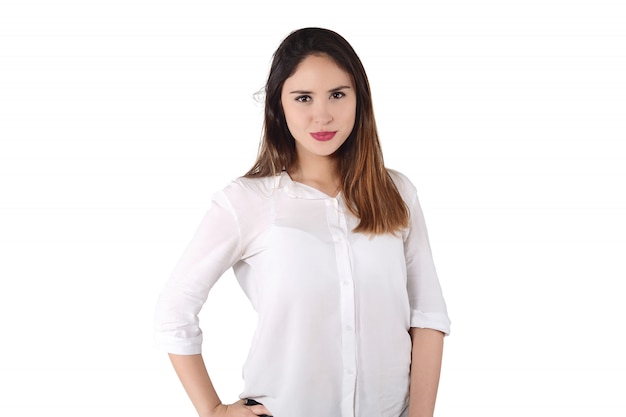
(337,94)
(303,99)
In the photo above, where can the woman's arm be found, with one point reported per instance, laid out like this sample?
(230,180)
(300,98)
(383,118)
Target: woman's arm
(195,379)
(426,357)
(192,373)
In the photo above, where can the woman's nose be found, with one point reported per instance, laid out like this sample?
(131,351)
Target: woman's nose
(321,113)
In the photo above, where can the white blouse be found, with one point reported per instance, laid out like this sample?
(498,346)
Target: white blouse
(334,307)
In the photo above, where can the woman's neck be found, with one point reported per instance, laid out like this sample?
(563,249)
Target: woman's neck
(320,174)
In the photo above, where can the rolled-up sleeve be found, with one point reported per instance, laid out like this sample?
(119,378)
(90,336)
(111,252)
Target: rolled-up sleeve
(428,307)
(214,248)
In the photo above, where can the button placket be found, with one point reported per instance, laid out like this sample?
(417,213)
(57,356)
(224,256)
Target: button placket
(339,231)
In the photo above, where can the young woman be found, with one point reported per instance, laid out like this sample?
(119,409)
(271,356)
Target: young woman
(332,251)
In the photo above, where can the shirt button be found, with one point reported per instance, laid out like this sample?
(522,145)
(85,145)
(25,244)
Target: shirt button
(350,372)
(348,328)
(345,283)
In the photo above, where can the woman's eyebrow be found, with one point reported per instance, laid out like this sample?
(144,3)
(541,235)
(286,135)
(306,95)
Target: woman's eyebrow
(341,87)
(332,90)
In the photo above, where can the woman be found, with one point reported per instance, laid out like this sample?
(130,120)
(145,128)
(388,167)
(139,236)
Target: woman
(331,249)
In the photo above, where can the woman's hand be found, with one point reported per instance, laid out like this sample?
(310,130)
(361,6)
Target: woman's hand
(239,409)
(193,374)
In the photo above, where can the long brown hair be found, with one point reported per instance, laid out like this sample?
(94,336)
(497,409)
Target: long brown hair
(367,187)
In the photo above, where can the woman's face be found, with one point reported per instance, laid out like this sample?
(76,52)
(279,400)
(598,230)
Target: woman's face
(319,102)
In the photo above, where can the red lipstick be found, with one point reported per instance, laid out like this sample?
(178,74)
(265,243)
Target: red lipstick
(323,136)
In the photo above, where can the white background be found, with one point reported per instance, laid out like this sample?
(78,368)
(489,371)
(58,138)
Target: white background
(119,119)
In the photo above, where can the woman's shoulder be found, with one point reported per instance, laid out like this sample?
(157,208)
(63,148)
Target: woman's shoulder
(245,190)
(263,185)
(404,185)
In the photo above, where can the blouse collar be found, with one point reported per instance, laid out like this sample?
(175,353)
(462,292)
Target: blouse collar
(296,189)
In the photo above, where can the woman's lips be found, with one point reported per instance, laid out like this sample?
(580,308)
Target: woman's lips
(323,136)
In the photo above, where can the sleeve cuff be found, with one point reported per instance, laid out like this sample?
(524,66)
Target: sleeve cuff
(437,321)
(178,346)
